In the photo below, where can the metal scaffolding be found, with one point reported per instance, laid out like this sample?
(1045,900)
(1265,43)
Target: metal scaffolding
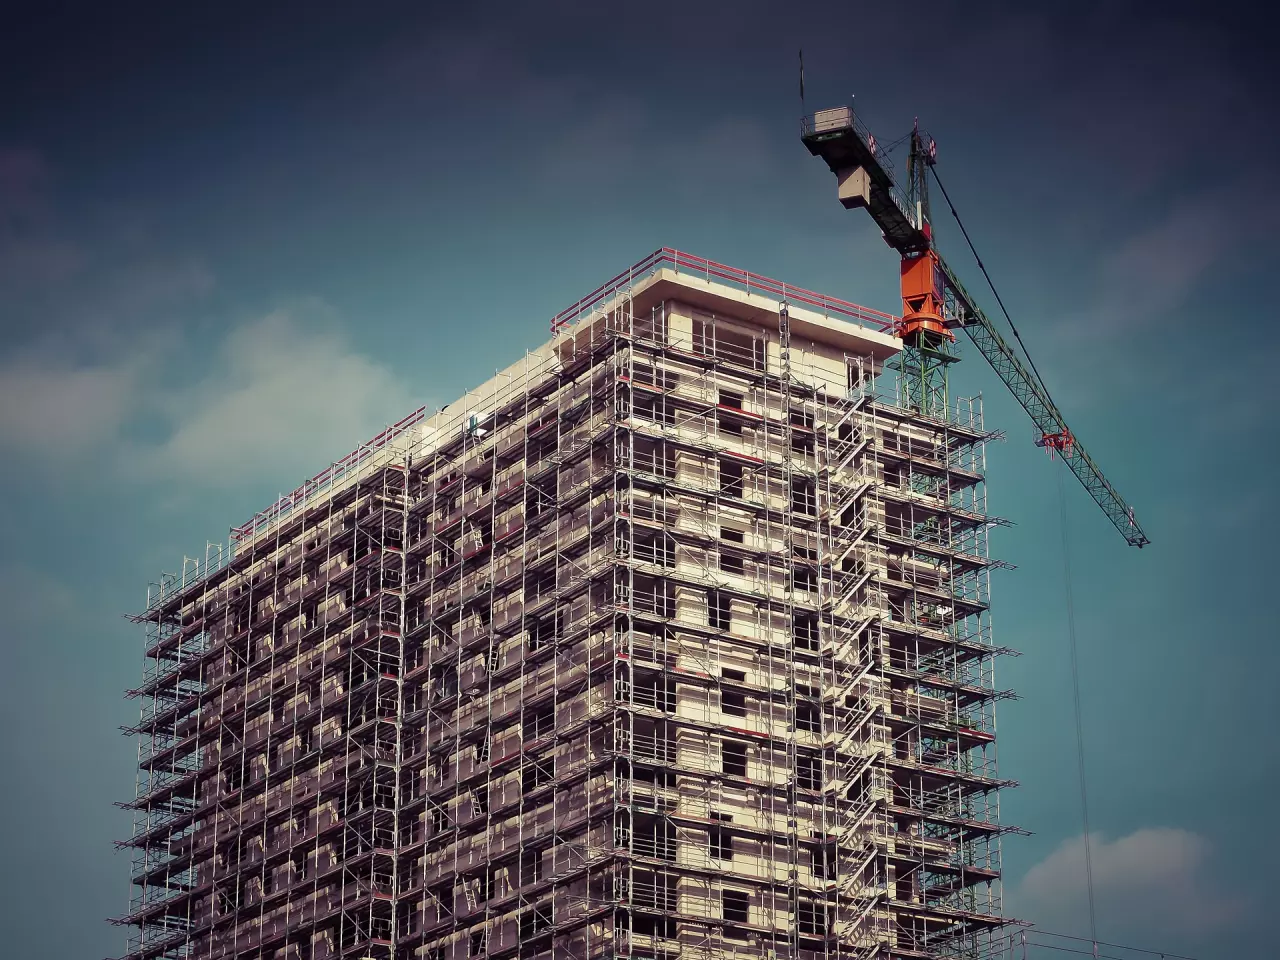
(670,641)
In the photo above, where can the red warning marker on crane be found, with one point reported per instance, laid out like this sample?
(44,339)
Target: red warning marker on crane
(1062,442)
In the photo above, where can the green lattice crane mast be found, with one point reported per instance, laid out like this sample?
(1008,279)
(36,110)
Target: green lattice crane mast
(935,303)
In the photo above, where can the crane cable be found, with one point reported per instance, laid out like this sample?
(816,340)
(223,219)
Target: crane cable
(1075,691)
(1038,933)
(983,267)
(1066,568)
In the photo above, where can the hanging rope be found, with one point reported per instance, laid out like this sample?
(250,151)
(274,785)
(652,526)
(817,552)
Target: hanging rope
(1071,613)
(1075,691)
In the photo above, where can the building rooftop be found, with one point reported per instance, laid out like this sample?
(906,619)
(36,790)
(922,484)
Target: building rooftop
(664,275)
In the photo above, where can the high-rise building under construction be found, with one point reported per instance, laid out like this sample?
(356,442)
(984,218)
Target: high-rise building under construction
(669,641)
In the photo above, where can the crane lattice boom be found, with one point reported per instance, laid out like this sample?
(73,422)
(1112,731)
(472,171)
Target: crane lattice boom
(935,301)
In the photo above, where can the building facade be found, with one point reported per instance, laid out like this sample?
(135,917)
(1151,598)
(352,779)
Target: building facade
(670,641)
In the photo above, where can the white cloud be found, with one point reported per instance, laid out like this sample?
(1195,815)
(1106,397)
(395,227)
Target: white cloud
(280,395)
(93,365)
(285,392)
(23,177)
(1145,280)
(1153,884)
(31,597)
(154,284)
(490,66)
(38,610)
(57,410)
(1150,283)
(1156,270)
(581,139)
(37,261)
(30,254)
(625,140)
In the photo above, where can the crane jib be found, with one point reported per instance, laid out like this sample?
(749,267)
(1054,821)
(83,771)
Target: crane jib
(849,149)
(838,137)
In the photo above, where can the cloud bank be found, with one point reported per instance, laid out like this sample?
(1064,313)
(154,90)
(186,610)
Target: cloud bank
(113,358)
(1154,886)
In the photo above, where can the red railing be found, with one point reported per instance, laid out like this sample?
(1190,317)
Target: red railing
(687,262)
(742,279)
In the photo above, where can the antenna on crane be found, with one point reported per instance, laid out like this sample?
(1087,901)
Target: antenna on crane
(801,80)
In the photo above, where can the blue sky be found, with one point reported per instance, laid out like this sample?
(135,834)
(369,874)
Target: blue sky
(233,244)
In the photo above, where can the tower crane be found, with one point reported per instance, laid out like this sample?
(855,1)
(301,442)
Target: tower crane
(935,303)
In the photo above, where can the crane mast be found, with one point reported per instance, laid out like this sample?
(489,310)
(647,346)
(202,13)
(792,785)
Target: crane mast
(935,303)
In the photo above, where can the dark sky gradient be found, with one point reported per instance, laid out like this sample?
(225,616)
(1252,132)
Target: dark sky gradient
(233,244)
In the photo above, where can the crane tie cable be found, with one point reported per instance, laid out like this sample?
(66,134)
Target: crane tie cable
(983,267)
(1075,690)
(1066,569)
(1038,933)
(1071,621)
